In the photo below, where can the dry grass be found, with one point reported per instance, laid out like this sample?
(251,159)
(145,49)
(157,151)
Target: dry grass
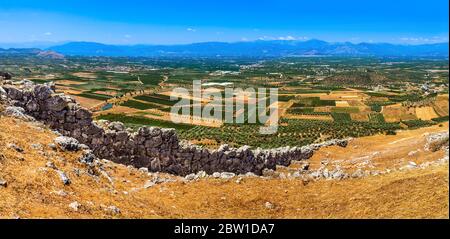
(360,116)
(111,93)
(397,112)
(89,75)
(342,103)
(441,105)
(426,113)
(383,151)
(31,190)
(70,82)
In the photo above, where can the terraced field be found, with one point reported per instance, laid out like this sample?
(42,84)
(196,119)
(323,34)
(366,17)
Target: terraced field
(319,98)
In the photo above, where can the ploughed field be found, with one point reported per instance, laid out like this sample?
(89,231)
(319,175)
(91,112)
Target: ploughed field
(305,120)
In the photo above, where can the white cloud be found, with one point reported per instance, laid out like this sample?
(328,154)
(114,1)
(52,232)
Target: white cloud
(127,36)
(189,29)
(287,38)
(265,38)
(283,38)
(48,34)
(418,40)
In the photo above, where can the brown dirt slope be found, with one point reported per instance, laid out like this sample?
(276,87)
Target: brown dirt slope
(36,191)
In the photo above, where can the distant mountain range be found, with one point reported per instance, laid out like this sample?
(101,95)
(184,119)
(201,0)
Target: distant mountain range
(259,48)
(31,51)
(31,44)
(20,51)
(254,48)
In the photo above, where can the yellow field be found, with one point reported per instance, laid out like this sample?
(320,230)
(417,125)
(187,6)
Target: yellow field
(426,113)
(88,75)
(342,103)
(311,117)
(111,93)
(359,116)
(86,102)
(70,82)
(397,112)
(441,105)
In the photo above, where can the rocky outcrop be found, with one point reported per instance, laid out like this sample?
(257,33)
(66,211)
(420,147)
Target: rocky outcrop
(436,141)
(157,149)
(5,75)
(17,112)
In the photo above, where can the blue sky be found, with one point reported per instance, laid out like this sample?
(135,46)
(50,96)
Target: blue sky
(176,21)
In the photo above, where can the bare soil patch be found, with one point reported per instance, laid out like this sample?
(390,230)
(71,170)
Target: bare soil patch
(86,102)
(426,113)
(89,75)
(397,112)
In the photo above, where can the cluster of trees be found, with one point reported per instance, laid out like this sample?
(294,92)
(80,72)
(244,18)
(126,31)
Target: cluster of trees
(291,132)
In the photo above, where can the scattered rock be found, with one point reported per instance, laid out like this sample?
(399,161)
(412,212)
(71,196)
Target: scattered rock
(358,174)
(77,171)
(149,184)
(83,147)
(116,126)
(268,172)
(239,180)
(67,143)
(17,112)
(37,146)
(269,205)
(113,209)
(143,170)
(50,164)
(412,153)
(436,141)
(61,193)
(250,175)
(52,146)
(190,177)
(75,206)
(201,174)
(63,177)
(15,147)
(338,174)
(304,166)
(3,183)
(87,157)
(227,175)
(3,94)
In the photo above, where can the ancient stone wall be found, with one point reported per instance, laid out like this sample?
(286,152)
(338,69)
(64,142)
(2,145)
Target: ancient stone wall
(158,149)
